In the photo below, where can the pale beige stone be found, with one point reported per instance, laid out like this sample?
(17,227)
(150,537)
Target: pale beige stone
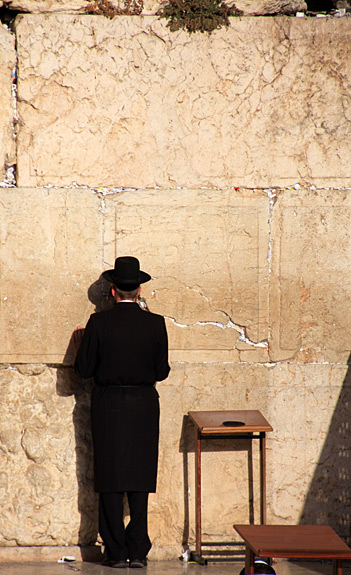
(253,7)
(215,300)
(51,501)
(68,6)
(128,103)
(244,277)
(44,6)
(7,66)
(50,255)
(310,284)
(74,6)
(50,554)
(308,460)
(261,7)
(192,387)
(207,252)
(48,502)
(50,448)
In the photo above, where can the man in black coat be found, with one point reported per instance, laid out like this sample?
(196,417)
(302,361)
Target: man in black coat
(125,349)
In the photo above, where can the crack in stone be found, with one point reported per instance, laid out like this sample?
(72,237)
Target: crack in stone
(10,177)
(273,197)
(229,325)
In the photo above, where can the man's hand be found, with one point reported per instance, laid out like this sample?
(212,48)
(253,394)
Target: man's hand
(76,338)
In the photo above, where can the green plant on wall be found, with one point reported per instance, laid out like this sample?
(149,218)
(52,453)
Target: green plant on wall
(107,9)
(197,15)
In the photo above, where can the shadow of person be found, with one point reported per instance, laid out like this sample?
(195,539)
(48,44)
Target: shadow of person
(329,495)
(68,384)
(99,295)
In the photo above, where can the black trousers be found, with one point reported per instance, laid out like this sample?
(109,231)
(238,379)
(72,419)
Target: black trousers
(131,542)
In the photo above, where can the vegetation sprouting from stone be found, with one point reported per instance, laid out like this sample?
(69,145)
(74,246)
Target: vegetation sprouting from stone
(197,15)
(107,9)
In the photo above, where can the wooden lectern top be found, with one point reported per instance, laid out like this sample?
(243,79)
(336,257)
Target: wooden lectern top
(295,541)
(229,422)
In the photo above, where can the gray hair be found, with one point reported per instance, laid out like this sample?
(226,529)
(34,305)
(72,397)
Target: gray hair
(127,294)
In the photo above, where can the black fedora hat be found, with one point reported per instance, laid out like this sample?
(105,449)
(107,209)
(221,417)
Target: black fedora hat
(126,274)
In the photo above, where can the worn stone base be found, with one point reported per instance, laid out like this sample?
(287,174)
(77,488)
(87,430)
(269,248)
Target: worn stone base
(49,553)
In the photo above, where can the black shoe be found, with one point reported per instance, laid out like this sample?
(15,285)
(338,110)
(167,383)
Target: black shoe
(120,564)
(138,563)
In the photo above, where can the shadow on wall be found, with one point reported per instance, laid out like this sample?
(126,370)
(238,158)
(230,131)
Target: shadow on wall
(328,501)
(69,384)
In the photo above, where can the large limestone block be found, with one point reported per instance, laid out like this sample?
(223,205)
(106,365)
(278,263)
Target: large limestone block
(128,103)
(308,461)
(215,299)
(50,255)
(7,65)
(46,483)
(46,489)
(208,255)
(46,475)
(310,283)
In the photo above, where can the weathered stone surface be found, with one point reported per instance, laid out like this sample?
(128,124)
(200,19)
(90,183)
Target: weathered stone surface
(311,259)
(7,65)
(72,6)
(68,6)
(128,103)
(208,255)
(183,238)
(45,459)
(215,299)
(44,6)
(341,4)
(50,501)
(262,7)
(308,462)
(202,387)
(244,277)
(50,252)
(248,7)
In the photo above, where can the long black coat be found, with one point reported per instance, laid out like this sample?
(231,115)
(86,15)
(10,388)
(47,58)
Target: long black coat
(125,349)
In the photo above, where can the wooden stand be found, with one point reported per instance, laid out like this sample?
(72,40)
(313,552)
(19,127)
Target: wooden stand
(292,541)
(209,425)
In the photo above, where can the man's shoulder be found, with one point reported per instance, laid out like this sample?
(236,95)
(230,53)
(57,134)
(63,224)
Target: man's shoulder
(110,314)
(151,316)
(102,316)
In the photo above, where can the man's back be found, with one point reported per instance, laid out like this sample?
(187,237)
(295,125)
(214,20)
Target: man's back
(124,346)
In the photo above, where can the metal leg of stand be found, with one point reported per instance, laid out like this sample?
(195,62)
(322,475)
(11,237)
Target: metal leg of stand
(263,476)
(198,494)
(249,561)
(337,567)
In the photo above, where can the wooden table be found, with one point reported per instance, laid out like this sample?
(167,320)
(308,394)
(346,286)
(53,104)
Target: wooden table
(209,425)
(293,541)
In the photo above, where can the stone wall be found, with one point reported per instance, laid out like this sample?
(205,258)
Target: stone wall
(145,107)
(247,7)
(223,163)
